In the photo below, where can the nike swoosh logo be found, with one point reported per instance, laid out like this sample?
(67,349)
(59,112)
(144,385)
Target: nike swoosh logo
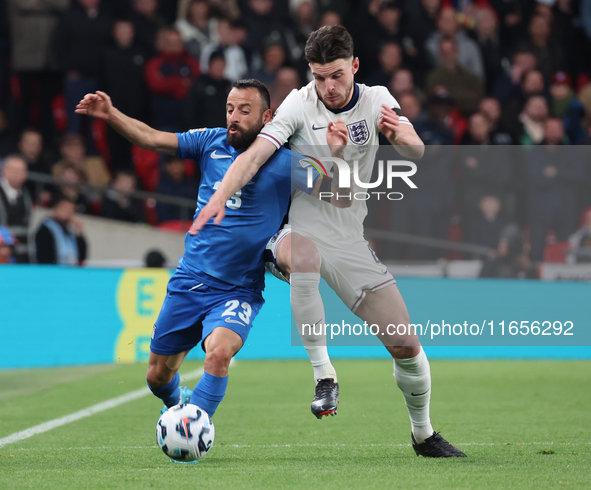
(217,157)
(316,128)
(418,394)
(229,320)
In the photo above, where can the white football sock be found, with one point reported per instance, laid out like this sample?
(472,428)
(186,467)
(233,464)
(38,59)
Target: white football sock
(413,377)
(307,309)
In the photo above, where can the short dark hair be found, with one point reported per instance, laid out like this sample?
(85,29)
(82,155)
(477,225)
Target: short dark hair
(327,44)
(252,83)
(58,197)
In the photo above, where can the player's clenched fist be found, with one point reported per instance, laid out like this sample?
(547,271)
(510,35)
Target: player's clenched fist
(389,123)
(97,105)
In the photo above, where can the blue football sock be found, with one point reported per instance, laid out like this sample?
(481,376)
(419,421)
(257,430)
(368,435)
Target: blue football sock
(170,393)
(209,392)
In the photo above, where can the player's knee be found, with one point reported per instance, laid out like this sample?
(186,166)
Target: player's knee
(405,351)
(305,259)
(157,378)
(218,358)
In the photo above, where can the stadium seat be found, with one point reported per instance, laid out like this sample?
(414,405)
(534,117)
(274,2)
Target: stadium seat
(556,252)
(147,167)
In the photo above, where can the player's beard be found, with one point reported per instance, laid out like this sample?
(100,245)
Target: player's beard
(345,100)
(244,137)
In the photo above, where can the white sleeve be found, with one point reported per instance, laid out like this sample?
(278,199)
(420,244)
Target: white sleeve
(286,121)
(383,96)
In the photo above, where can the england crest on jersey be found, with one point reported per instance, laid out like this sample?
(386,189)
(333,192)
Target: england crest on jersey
(358,132)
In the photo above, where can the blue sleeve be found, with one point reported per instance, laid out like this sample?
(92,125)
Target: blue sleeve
(301,166)
(192,142)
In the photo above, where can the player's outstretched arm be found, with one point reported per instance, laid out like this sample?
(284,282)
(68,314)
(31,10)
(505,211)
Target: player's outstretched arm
(99,105)
(240,172)
(403,136)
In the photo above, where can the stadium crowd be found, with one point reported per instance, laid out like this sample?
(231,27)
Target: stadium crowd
(479,74)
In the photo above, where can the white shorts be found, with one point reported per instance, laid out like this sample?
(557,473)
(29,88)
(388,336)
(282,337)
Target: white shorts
(351,269)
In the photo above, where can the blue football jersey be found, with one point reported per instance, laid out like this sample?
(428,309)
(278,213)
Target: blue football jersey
(231,253)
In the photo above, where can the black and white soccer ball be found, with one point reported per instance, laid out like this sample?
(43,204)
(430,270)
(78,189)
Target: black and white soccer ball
(185,432)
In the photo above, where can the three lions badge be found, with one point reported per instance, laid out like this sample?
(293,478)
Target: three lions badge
(358,132)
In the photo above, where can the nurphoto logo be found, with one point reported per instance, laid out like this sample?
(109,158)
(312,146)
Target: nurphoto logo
(402,169)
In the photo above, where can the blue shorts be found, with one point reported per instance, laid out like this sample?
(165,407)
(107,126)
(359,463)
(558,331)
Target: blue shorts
(191,310)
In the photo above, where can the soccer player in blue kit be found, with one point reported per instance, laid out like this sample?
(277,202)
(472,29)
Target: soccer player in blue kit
(215,293)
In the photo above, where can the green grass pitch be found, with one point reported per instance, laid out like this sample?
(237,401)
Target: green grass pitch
(523,424)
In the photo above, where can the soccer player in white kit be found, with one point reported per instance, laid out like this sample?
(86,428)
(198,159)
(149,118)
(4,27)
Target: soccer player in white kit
(327,242)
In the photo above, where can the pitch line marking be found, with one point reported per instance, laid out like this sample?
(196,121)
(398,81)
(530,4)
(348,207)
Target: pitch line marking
(268,446)
(86,412)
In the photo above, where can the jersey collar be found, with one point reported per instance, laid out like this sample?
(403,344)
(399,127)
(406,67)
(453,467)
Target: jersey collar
(351,103)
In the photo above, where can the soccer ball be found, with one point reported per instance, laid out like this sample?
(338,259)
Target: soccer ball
(185,432)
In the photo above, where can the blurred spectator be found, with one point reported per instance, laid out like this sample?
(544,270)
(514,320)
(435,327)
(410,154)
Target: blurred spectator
(30,147)
(423,19)
(330,18)
(485,170)
(92,169)
(488,223)
(433,129)
(261,22)
(174,182)
(117,202)
(510,260)
(32,26)
(169,77)
(487,34)
(532,83)
(554,172)
(410,106)
(123,79)
(60,237)
(147,23)
(71,186)
(402,82)
(532,120)
(7,244)
(549,54)
(390,61)
(15,203)
(228,9)
(508,84)
(287,80)
(273,60)
(198,29)
(227,42)
(580,241)
(205,104)
(80,37)
(567,107)
(464,87)
(570,35)
(155,258)
(305,20)
(468,54)
(491,109)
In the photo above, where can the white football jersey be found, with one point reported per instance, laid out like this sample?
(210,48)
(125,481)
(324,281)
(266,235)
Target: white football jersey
(302,119)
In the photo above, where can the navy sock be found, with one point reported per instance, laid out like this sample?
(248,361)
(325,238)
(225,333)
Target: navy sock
(170,394)
(209,392)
